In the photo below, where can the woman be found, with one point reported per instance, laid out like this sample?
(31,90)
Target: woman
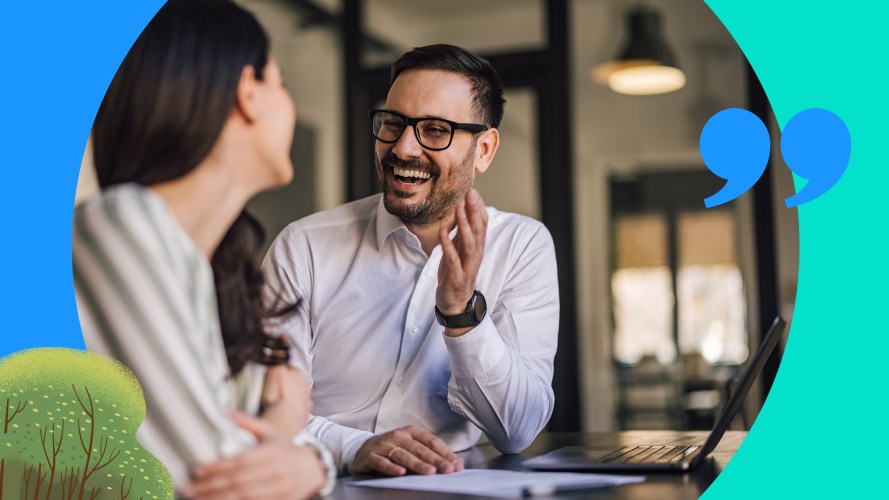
(196,122)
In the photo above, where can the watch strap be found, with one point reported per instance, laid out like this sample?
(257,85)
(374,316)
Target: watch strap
(469,318)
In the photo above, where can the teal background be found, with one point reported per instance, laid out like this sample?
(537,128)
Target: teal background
(830,392)
(57,60)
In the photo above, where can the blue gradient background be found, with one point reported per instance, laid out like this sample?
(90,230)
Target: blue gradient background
(57,61)
(58,58)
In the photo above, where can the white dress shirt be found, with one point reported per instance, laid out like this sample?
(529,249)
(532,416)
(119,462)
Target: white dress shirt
(367,337)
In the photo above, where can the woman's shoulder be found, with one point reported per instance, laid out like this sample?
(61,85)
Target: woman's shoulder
(129,217)
(121,204)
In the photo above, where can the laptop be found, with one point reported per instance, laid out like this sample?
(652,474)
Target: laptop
(662,457)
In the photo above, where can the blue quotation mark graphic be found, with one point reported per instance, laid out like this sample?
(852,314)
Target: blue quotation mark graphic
(735,146)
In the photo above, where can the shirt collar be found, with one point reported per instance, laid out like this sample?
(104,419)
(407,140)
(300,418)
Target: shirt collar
(386,224)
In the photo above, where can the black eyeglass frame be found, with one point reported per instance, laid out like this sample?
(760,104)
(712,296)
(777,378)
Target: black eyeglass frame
(475,128)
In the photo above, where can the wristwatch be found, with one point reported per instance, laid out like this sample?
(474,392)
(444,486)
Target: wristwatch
(475,312)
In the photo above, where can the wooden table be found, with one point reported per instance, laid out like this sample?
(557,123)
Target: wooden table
(659,486)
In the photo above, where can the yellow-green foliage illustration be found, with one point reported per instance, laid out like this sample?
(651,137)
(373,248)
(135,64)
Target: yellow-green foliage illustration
(69,421)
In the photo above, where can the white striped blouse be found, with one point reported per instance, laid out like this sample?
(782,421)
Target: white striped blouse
(146,297)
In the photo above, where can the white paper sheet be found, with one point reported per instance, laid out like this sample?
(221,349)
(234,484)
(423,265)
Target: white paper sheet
(500,483)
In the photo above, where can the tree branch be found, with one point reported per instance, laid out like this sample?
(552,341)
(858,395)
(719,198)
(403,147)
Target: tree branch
(43,432)
(80,435)
(63,477)
(7,418)
(27,476)
(55,448)
(124,495)
(72,481)
(39,481)
(91,409)
(103,448)
(18,409)
(58,448)
(88,449)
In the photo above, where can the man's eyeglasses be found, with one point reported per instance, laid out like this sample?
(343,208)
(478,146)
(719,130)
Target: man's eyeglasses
(434,134)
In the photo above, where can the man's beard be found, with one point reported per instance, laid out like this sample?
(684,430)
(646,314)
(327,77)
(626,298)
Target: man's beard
(443,196)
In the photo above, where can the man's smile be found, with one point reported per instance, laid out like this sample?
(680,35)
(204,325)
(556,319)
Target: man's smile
(409,176)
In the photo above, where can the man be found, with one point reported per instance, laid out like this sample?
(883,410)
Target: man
(425,318)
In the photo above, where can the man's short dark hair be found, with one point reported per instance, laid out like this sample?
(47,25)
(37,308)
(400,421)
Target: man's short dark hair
(487,89)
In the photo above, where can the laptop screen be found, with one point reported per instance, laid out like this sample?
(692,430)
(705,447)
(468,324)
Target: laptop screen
(746,382)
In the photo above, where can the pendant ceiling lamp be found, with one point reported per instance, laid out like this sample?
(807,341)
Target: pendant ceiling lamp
(646,65)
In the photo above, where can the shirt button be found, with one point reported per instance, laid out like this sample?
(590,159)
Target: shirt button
(415,328)
(399,382)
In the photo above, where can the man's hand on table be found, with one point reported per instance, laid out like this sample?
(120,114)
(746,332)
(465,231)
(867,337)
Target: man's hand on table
(407,449)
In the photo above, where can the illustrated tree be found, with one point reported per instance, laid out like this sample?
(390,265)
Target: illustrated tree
(46,393)
(91,466)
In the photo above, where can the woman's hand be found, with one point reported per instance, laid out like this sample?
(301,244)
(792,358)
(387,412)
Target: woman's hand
(286,400)
(274,469)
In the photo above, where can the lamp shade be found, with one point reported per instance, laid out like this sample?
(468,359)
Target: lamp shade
(646,64)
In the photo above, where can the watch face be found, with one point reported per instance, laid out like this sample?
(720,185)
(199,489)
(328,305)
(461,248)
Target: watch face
(481,306)
(475,312)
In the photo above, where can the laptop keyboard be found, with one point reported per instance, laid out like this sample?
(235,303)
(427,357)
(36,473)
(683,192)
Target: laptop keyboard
(649,454)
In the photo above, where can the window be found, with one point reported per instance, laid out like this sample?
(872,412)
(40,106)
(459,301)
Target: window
(676,283)
(642,290)
(709,288)
(678,300)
